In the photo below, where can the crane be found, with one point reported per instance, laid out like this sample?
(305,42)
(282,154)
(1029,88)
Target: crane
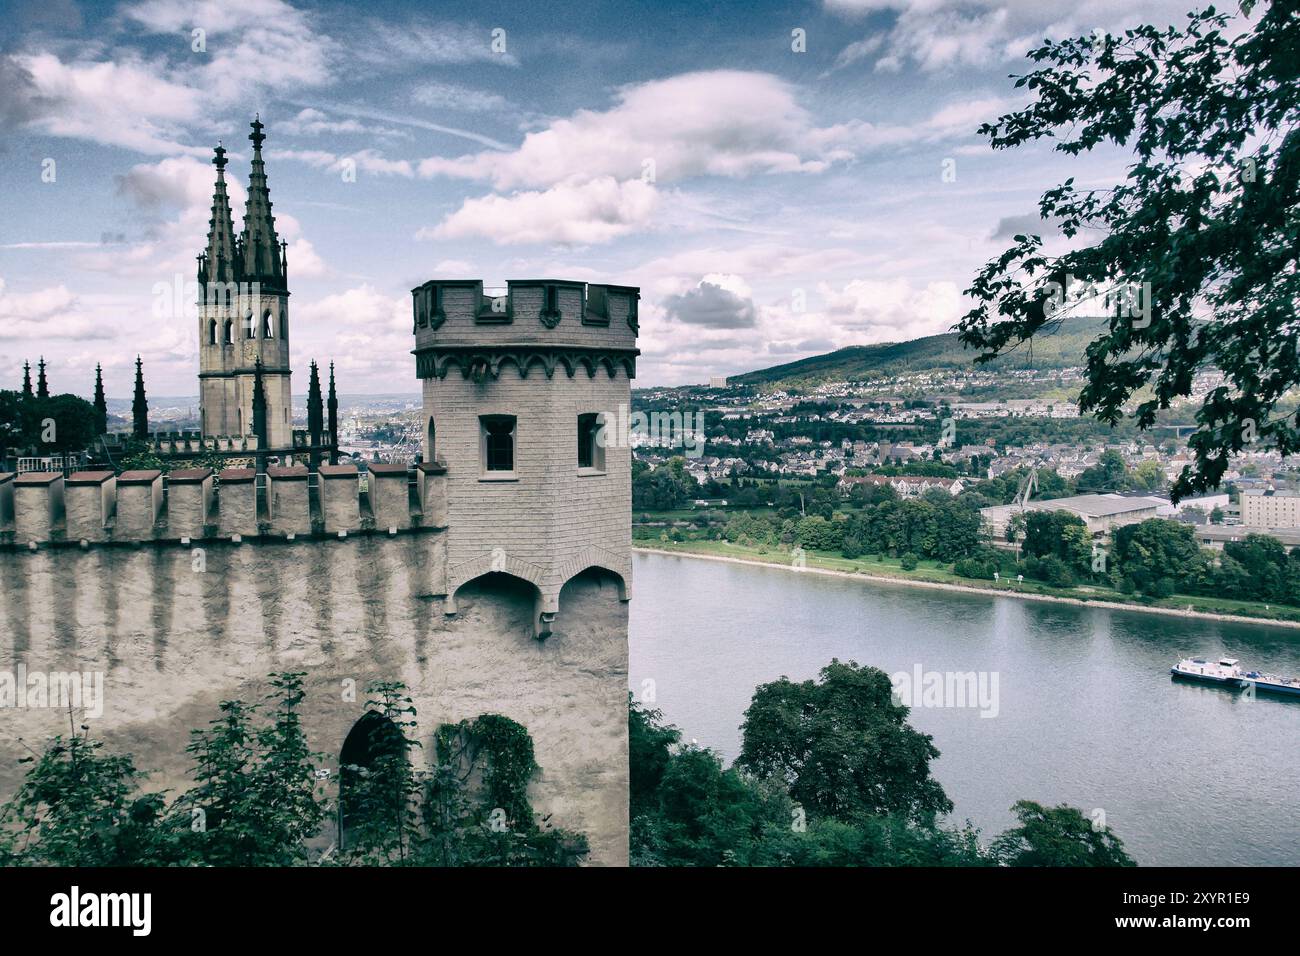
(1028,485)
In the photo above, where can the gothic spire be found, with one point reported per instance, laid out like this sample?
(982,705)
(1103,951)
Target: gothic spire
(139,406)
(101,403)
(315,408)
(259,406)
(42,387)
(27,379)
(333,405)
(262,258)
(220,264)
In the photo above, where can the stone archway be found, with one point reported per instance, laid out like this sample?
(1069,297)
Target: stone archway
(372,736)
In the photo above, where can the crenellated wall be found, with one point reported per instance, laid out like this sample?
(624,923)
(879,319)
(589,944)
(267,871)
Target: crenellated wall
(98,507)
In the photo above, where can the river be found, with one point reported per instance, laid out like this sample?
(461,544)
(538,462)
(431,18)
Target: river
(1086,711)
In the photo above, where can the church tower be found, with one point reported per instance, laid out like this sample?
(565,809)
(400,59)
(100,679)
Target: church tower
(244,313)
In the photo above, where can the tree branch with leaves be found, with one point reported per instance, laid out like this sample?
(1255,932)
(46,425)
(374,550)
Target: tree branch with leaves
(1206,224)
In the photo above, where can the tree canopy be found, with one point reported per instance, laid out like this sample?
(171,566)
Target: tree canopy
(1195,255)
(59,423)
(843,746)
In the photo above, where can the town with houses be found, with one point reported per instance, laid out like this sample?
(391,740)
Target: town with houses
(922,419)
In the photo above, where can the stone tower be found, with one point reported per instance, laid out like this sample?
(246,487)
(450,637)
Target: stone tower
(516,390)
(244,312)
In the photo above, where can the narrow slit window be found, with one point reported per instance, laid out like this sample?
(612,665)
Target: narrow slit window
(551,305)
(590,452)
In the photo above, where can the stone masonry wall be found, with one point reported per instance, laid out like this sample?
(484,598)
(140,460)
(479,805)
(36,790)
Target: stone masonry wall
(173,641)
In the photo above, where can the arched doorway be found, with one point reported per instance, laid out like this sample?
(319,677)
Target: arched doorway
(372,739)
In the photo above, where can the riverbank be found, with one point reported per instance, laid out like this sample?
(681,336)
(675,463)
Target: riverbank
(936,577)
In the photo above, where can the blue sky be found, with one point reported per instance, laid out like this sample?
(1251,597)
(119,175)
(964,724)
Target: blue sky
(770,203)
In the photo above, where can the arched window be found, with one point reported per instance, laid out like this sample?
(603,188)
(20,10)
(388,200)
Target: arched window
(230,332)
(212,332)
(250,327)
(430,449)
(497,444)
(368,756)
(284,326)
(267,331)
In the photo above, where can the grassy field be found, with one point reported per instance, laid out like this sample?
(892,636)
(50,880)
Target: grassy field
(938,573)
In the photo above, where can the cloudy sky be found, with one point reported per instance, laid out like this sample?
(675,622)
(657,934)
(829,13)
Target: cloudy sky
(771,203)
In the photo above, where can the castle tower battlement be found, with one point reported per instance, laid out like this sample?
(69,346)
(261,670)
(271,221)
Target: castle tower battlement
(522,392)
(535,323)
(190,506)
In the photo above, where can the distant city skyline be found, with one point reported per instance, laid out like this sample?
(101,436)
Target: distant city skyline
(780,179)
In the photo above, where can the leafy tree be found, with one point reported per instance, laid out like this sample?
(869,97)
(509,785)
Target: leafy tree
(1158,548)
(1207,215)
(256,800)
(668,486)
(1050,569)
(1149,475)
(842,746)
(699,813)
(58,424)
(1266,570)
(1057,836)
(819,534)
(1056,534)
(76,808)
(690,810)
(1075,548)
(75,424)
(649,743)
(12,425)
(285,779)
(222,809)
(1109,474)
(852,547)
(705,815)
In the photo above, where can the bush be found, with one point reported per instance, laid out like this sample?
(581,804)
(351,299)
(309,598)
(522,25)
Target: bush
(974,568)
(908,562)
